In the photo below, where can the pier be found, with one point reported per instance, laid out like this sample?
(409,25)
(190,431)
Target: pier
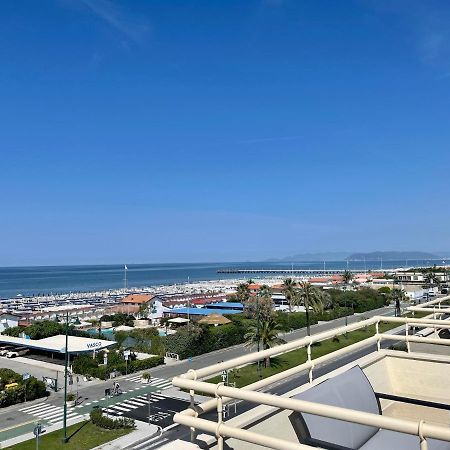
(288,271)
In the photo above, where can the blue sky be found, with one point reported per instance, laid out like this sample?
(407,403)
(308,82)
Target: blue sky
(147,131)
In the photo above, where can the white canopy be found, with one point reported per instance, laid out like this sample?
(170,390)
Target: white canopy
(57,343)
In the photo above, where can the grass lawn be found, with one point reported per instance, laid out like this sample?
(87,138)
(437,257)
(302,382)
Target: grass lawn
(82,436)
(249,374)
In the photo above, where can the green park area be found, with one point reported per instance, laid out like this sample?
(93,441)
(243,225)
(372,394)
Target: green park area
(82,436)
(252,373)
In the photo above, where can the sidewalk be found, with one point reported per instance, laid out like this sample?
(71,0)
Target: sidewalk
(142,433)
(26,430)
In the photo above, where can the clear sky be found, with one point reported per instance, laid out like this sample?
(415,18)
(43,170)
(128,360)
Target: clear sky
(147,131)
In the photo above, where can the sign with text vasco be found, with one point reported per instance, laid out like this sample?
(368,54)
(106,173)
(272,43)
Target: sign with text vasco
(93,345)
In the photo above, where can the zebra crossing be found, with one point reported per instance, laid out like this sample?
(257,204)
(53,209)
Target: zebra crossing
(160,383)
(120,408)
(50,413)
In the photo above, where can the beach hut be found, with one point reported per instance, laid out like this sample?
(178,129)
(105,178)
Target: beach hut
(214,319)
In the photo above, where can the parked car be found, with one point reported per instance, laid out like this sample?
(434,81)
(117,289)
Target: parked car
(5,349)
(19,351)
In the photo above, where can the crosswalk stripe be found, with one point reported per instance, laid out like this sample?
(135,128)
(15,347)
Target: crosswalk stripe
(158,382)
(39,408)
(51,414)
(128,405)
(32,407)
(119,408)
(47,411)
(134,402)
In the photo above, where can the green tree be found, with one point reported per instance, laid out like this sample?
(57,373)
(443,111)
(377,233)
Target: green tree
(290,291)
(311,298)
(266,335)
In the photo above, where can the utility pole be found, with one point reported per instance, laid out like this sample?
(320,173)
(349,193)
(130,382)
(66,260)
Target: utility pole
(66,361)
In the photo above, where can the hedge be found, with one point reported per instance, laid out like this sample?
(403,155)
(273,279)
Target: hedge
(102,421)
(362,300)
(86,365)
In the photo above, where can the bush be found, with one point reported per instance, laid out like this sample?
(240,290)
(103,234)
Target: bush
(85,365)
(30,389)
(97,418)
(293,320)
(363,300)
(119,319)
(147,340)
(334,313)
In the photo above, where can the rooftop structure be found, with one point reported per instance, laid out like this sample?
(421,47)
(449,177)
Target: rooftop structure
(138,299)
(411,388)
(198,311)
(56,344)
(214,319)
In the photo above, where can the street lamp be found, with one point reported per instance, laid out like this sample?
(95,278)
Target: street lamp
(257,331)
(66,362)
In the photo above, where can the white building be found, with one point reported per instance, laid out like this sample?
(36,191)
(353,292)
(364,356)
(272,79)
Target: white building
(8,321)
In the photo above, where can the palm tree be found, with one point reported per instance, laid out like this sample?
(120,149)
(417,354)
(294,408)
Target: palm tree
(264,303)
(397,296)
(243,292)
(289,291)
(310,297)
(243,296)
(431,278)
(347,277)
(266,335)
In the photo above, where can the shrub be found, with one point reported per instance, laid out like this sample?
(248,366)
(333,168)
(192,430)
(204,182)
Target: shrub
(363,300)
(14,331)
(147,363)
(30,389)
(97,418)
(85,365)
(119,319)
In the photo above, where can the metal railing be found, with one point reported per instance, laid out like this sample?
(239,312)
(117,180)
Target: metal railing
(224,394)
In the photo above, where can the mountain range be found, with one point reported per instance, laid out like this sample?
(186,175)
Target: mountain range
(368,256)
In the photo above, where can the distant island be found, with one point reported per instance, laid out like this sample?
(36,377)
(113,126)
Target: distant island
(392,256)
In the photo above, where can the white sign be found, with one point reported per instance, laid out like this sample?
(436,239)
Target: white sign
(126,353)
(26,376)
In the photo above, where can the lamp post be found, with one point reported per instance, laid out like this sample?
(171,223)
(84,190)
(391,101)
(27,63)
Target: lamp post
(257,331)
(66,361)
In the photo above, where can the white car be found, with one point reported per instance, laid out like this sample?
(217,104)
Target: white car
(5,349)
(17,352)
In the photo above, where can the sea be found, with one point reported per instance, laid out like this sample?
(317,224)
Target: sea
(29,281)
